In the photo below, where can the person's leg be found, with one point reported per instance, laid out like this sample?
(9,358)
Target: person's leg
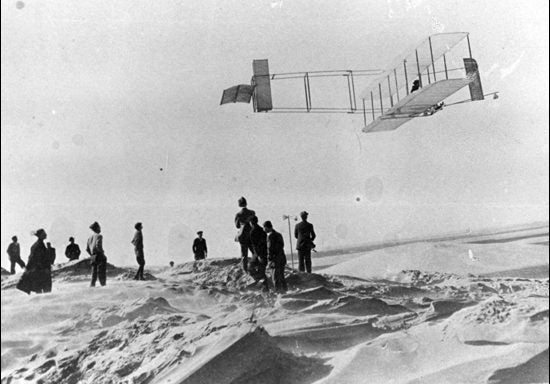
(20,262)
(94,274)
(274,279)
(282,280)
(12,268)
(301,261)
(141,269)
(307,258)
(244,256)
(102,272)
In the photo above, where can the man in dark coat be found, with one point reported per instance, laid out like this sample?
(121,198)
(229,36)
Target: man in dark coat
(138,249)
(304,233)
(14,253)
(72,252)
(199,247)
(242,222)
(276,257)
(258,262)
(94,248)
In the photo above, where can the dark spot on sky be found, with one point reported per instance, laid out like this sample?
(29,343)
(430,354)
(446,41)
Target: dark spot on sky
(357,199)
(78,139)
(161,169)
(19,5)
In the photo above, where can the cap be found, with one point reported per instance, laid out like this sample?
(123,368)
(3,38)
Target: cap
(303,213)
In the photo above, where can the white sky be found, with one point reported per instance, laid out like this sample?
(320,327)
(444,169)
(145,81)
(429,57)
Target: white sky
(98,96)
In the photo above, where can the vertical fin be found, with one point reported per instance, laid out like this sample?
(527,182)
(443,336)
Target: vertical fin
(472,71)
(262,89)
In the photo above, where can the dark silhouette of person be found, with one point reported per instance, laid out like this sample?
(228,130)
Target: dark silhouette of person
(38,273)
(242,222)
(171,264)
(94,248)
(258,262)
(276,257)
(304,233)
(138,249)
(72,252)
(415,86)
(14,253)
(199,247)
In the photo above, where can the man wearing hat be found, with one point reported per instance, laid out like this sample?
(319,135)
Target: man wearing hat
(138,249)
(94,248)
(242,222)
(73,250)
(304,233)
(199,247)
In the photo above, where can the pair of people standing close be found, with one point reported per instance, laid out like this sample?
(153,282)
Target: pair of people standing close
(266,246)
(38,273)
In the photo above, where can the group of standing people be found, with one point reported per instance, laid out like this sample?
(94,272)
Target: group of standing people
(266,246)
(37,276)
(264,243)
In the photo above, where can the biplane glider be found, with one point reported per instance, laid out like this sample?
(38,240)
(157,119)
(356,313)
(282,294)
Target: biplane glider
(436,67)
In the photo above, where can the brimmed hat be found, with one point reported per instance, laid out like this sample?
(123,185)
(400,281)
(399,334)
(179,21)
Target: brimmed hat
(303,213)
(38,232)
(199,233)
(94,226)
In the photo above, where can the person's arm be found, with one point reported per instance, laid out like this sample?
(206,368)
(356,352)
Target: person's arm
(237,220)
(77,251)
(67,251)
(296,231)
(313,235)
(194,248)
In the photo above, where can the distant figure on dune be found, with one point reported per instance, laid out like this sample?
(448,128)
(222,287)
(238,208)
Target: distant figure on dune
(199,247)
(276,257)
(72,252)
(14,253)
(258,262)
(38,274)
(304,233)
(94,248)
(242,222)
(171,264)
(138,249)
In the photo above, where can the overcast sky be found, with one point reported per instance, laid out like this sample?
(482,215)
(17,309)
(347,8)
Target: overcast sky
(98,96)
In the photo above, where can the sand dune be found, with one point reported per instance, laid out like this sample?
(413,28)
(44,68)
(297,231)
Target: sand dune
(409,315)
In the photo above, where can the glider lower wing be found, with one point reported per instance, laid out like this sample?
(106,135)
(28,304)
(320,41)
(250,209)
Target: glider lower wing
(416,104)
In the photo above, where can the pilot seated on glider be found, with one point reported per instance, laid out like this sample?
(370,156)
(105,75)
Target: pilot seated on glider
(416,86)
